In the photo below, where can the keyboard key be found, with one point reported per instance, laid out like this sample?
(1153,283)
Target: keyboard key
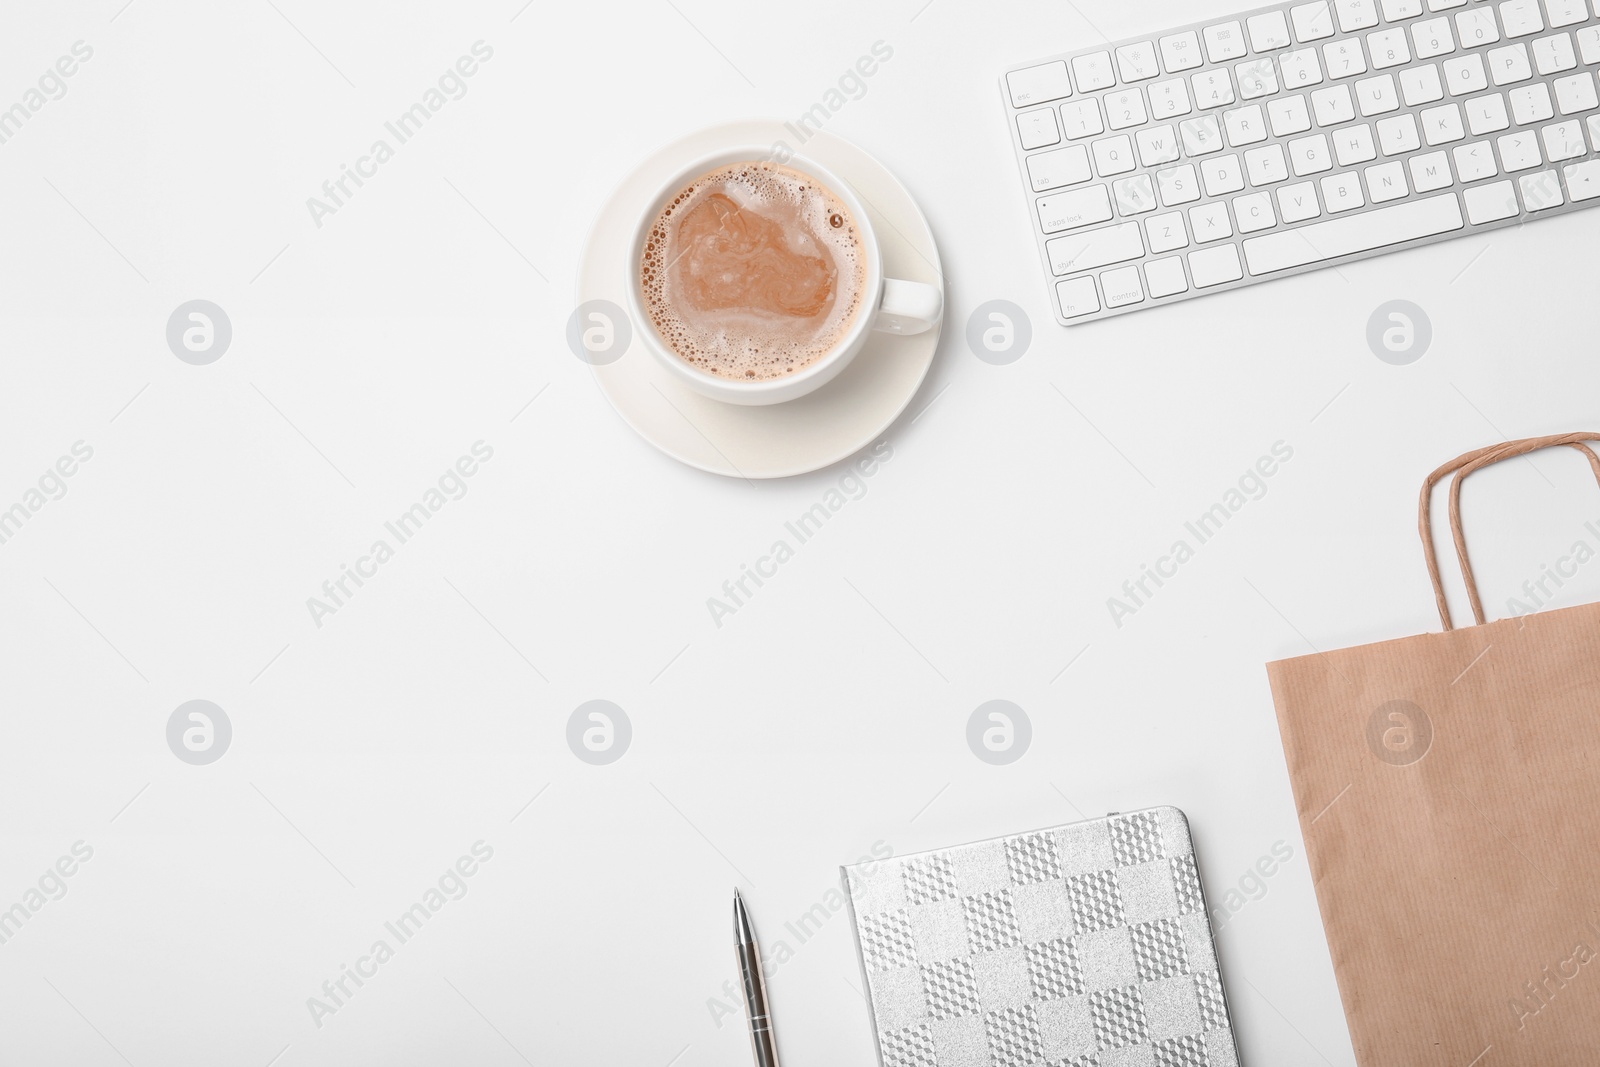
(1352,234)
(1157,144)
(1222,175)
(1357,14)
(1487,114)
(1062,166)
(1388,48)
(1491,203)
(1395,10)
(1038,129)
(1562,141)
(1081,118)
(1445,5)
(1077,297)
(1312,22)
(1300,69)
(1344,59)
(1465,74)
(1333,105)
(1245,125)
(1135,195)
(1441,125)
(1169,99)
(1224,41)
(1212,88)
(1474,161)
(1209,222)
(1268,31)
(1353,145)
(1177,185)
(1583,180)
(1256,78)
(1035,85)
(1531,103)
(1519,151)
(1310,155)
(1589,46)
(1201,136)
(1113,155)
(1342,192)
(1136,62)
(1594,131)
(1181,52)
(1429,172)
(1089,249)
(1165,277)
(1432,38)
(1254,212)
(1298,202)
(1266,165)
(1375,96)
(1122,287)
(1565,12)
(1421,85)
(1167,232)
(1509,64)
(1078,207)
(1475,26)
(1398,134)
(1215,266)
(1540,191)
(1289,115)
(1125,109)
(1554,54)
(1386,181)
(1521,17)
(1093,71)
(1576,94)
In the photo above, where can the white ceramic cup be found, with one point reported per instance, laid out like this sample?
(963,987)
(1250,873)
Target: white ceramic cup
(889,305)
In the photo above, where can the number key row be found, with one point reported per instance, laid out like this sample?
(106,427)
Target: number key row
(1268,32)
(1077,119)
(1333,106)
(1205,90)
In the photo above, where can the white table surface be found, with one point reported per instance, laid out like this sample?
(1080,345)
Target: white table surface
(827,714)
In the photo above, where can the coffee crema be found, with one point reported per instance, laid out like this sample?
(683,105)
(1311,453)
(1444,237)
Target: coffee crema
(753,271)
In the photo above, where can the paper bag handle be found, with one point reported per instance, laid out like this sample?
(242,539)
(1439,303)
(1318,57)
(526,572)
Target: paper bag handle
(1462,466)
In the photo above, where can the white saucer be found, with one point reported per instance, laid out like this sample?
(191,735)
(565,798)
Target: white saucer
(815,431)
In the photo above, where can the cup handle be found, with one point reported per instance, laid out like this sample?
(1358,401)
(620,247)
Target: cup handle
(908,307)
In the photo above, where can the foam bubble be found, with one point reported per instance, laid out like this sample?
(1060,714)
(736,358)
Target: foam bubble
(753,271)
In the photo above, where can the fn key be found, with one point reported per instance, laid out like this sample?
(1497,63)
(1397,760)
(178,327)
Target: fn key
(1077,297)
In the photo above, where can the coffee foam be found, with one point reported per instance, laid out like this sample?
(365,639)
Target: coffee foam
(753,271)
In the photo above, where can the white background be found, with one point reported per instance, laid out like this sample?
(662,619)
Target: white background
(828,714)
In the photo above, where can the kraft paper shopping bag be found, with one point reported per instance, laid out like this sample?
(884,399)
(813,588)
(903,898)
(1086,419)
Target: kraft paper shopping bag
(1448,787)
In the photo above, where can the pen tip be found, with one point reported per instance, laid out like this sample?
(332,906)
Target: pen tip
(741,921)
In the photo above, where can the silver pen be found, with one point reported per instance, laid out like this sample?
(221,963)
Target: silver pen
(762,1041)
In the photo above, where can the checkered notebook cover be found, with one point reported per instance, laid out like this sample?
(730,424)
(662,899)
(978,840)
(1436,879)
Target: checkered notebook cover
(1086,945)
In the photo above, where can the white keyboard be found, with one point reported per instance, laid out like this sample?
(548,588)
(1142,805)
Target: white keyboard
(1299,136)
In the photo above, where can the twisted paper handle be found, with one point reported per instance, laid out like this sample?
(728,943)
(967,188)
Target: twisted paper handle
(1462,466)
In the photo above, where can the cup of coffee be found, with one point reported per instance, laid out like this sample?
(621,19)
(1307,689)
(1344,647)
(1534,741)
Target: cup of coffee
(756,282)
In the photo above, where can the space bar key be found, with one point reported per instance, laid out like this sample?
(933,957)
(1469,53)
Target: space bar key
(1346,236)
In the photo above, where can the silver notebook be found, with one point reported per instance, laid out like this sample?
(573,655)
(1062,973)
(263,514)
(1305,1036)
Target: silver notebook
(1085,945)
